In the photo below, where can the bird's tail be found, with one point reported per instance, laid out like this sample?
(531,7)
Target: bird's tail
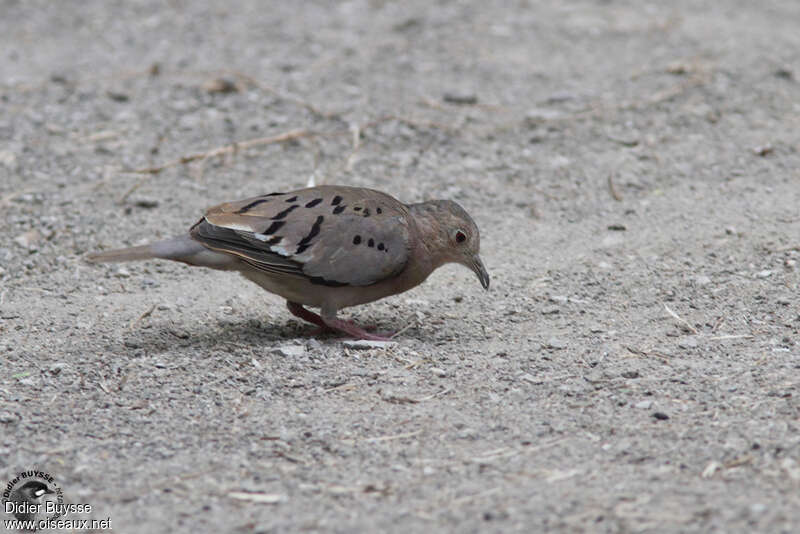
(181,248)
(144,252)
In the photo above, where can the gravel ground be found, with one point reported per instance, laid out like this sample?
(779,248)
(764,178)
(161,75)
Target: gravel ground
(633,167)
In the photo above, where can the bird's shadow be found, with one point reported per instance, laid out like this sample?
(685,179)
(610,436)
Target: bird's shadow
(161,336)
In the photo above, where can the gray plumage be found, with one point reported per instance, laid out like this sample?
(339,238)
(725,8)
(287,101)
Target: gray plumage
(329,246)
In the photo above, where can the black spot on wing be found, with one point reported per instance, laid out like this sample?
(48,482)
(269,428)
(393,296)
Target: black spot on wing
(274,227)
(284,213)
(291,199)
(339,209)
(253,204)
(336,200)
(357,208)
(313,202)
(366,212)
(274,240)
(306,241)
(380,246)
(378,211)
(357,240)
(371,242)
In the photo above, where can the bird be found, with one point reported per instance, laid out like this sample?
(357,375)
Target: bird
(27,499)
(328,247)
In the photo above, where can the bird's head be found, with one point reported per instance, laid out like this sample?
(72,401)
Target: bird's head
(34,489)
(457,239)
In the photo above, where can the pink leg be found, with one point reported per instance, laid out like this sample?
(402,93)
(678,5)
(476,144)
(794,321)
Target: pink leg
(299,311)
(352,330)
(332,324)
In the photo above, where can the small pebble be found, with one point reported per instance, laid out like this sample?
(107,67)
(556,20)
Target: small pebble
(560,96)
(643,405)
(313,345)
(438,372)
(118,96)
(555,343)
(462,99)
(147,203)
(221,85)
(289,351)
(661,416)
(8,159)
(527,377)
(702,280)
(764,150)
(29,239)
(7,418)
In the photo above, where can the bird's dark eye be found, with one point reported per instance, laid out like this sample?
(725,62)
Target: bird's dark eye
(460,236)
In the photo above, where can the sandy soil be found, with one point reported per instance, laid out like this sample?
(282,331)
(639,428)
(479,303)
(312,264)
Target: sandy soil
(633,167)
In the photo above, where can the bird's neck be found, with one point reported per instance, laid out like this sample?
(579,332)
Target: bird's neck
(431,242)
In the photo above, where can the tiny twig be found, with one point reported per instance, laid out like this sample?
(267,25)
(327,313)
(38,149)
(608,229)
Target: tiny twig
(434,395)
(139,183)
(612,188)
(410,122)
(467,498)
(226,149)
(664,358)
(285,96)
(396,436)
(410,324)
(680,319)
(396,399)
(355,130)
(142,316)
(341,387)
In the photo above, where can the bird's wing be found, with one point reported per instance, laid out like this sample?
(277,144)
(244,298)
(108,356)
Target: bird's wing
(330,235)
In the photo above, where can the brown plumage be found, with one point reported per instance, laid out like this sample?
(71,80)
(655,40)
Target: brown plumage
(328,247)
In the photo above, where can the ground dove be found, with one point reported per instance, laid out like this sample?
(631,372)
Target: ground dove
(328,247)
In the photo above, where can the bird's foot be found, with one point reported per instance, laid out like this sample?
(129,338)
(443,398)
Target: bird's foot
(336,325)
(354,331)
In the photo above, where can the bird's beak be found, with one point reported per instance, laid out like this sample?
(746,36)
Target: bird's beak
(477,267)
